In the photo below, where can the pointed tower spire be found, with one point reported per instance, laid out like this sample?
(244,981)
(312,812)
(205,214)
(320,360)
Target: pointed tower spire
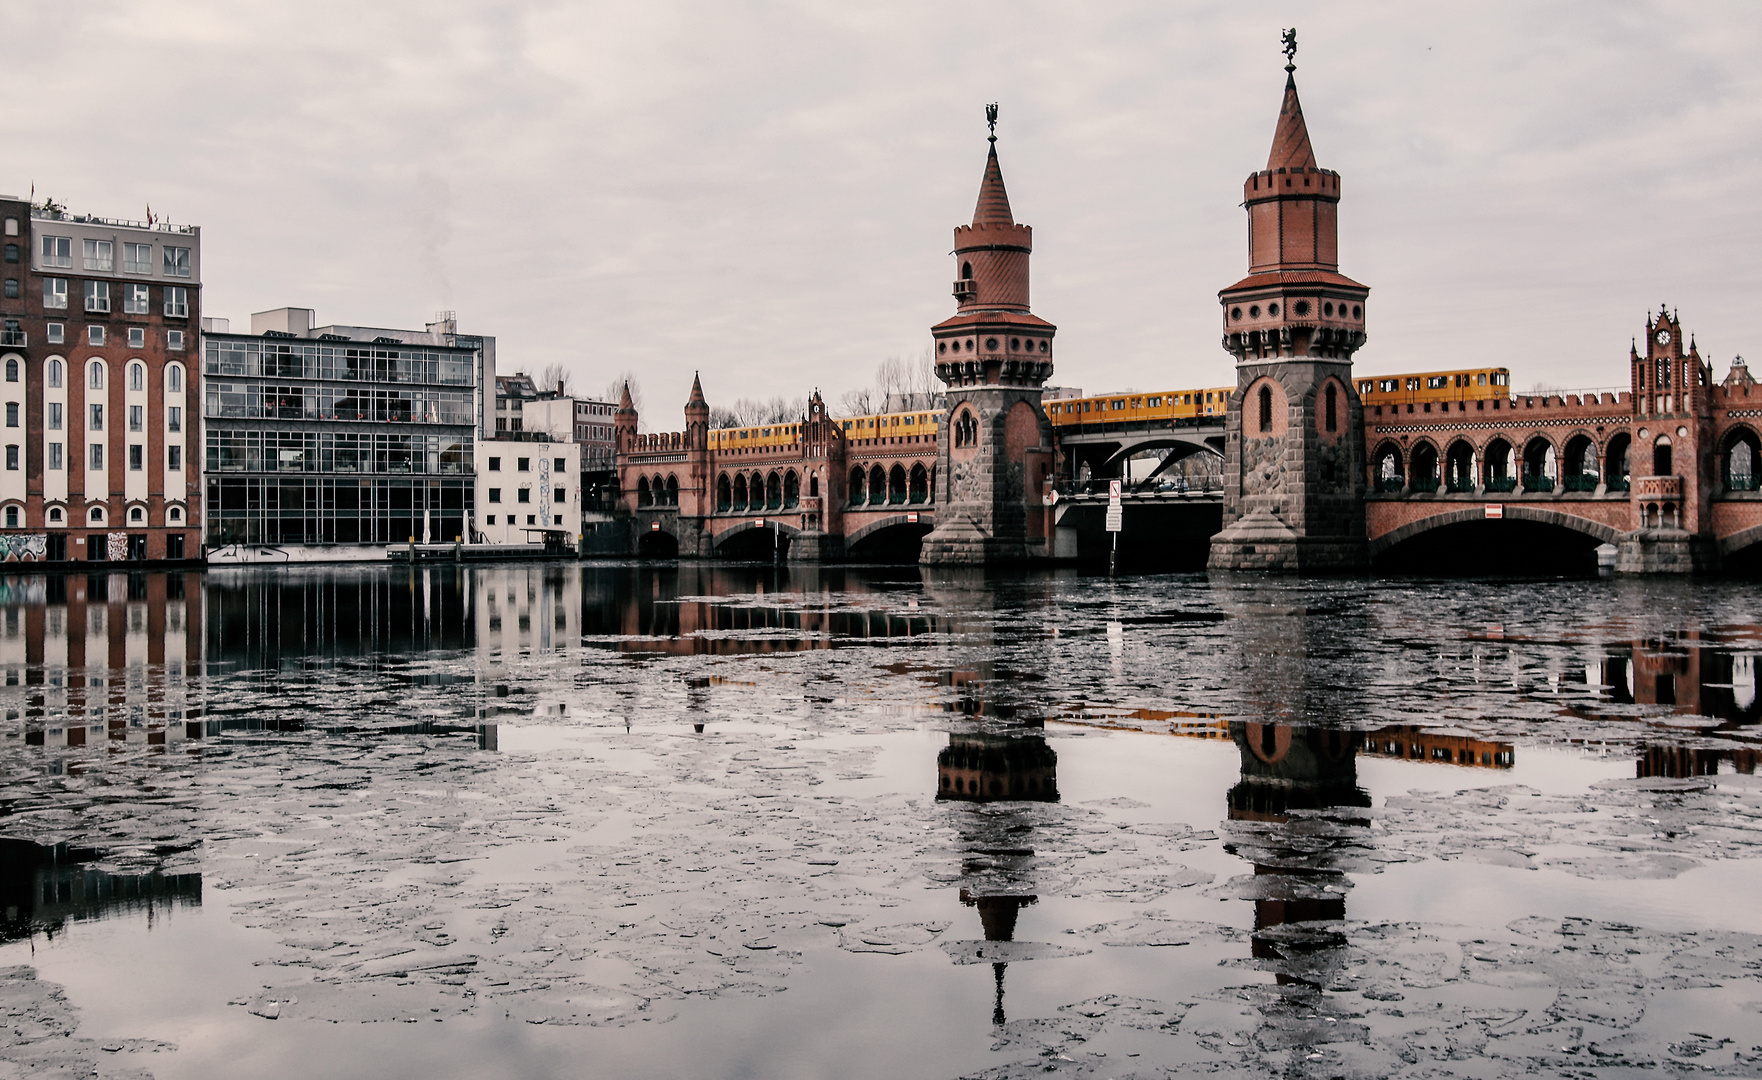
(1291,150)
(624,402)
(697,392)
(993,207)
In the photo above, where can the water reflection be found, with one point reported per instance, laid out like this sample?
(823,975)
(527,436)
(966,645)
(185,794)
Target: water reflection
(42,888)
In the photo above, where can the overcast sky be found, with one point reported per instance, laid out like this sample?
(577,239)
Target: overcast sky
(766,192)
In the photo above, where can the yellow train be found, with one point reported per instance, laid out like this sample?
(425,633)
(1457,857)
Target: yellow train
(1152,405)
(769,436)
(1426,387)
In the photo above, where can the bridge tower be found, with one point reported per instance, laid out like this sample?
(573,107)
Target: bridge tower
(1294,474)
(1670,458)
(994,452)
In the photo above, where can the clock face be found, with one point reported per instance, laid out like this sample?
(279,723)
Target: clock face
(1663,337)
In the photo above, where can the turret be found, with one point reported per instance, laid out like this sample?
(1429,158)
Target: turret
(624,421)
(697,416)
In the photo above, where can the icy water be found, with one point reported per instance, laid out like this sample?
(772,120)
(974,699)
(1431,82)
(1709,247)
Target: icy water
(621,821)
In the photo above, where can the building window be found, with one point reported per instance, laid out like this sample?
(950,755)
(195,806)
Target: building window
(12,414)
(489,519)
(136,457)
(11,252)
(557,465)
(55,293)
(1332,407)
(174,374)
(137,258)
(558,496)
(56,333)
(96,516)
(12,517)
(174,457)
(98,296)
(1266,408)
(137,375)
(137,337)
(495,464)
(174,339)
(94,335)
(523,464)
(177,302)
(177,262)
(12,459)
(11,370)
(58,251)
(98,256)
(495,495)
(55,373)
(134,300)
(55,458)
(97,423)
(174,418)
(55,416)
(97,455)
(96,370)
(525,495)
(136,516)
(12,288)
(136,420)
(174,515)
(55,515)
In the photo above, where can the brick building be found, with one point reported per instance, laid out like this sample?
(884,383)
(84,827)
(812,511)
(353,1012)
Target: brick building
(98,328)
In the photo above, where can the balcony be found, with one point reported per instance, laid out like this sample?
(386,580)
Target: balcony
(965,289)
(1659,487)
(14,338)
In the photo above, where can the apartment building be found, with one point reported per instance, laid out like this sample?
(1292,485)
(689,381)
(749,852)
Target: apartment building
(98,327)
(529,478)
(326,443)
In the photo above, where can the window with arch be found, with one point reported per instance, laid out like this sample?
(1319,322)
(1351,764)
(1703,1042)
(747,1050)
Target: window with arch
(136,515)
(137,376)
(96,515)
(174,515)
(1332,408)
(55,514)
(95,375)
(53,374)
(12,517)
(11,369)
(724,493)
(857,474)
(791,490)
(1266,408)
(174,378)
(740,492)
(966,271)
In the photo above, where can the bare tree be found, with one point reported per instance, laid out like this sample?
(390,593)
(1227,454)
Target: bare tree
(859,402)
(555,376)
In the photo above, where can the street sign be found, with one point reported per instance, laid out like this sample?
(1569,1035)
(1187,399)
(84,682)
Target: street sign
(1113,493)
(1495,510)
(1115,517)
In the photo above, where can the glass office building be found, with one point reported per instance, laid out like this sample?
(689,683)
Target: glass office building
(339,435)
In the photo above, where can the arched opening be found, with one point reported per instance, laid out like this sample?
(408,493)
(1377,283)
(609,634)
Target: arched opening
(896,486)
(11,370)
(1481,547)
(966,430)
(877,486)
(656,544)
(966,271)
(1580,470)
(1386,470)
(920,484)
(137,376)
(1459,467)
(12,516)
(644,497)
(672,490)
(1423,476)
(1496,471)
(773,492)
(724,494)
(856,485)
(1739,460)
(753,545)
(54,373)
(1266,408)
(1661,457)
(814,486)
(1615,463)
(895,543)
(1332,407)
(791,490)
(1539,467)
(739,491)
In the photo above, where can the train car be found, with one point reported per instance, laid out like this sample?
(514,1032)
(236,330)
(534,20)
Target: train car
(891,425)
(1432,387)
(1150,406)
(761,436)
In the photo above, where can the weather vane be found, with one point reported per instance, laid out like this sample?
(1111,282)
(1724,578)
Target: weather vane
(991,119)
(1289,38)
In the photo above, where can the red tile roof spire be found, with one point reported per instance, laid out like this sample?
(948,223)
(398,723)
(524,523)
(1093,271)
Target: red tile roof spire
(1291,149)
(993,208)
(697,392)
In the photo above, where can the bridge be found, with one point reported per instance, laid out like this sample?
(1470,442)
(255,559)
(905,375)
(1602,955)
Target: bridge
(1320,470)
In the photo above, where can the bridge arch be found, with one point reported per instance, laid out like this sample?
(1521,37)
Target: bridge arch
(1524,538)
(657,544)
(1740,458)
(1387,467)
(749,540)
(895,538)
(1422,471)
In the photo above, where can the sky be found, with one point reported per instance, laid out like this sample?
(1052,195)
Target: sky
(766,192)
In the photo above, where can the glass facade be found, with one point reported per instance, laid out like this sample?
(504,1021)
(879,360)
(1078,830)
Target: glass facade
(297,449)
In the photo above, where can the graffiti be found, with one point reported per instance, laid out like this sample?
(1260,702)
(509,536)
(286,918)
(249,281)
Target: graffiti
(117,548)
(17,547)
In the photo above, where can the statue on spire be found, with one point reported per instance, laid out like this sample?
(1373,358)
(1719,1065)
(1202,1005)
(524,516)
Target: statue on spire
(991,119)
(1289,39)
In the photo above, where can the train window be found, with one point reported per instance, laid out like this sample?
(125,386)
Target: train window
(1437,382)
(1364,388)
(1502,378)
(1413,384)
(1481,379)
(1389,386)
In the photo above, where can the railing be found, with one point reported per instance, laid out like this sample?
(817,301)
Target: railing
(1457,487)
(1660,487)
(1097,488)
(1618,484)
(1427,484)
(1743,483)
(1390,484)
(93,219)
(1580,482)
(1501,484)
(13,337)
(1533,482)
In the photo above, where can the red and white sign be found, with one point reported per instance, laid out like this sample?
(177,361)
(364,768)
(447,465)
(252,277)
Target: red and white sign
(912,518)
(1495,510)
(1113,492)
